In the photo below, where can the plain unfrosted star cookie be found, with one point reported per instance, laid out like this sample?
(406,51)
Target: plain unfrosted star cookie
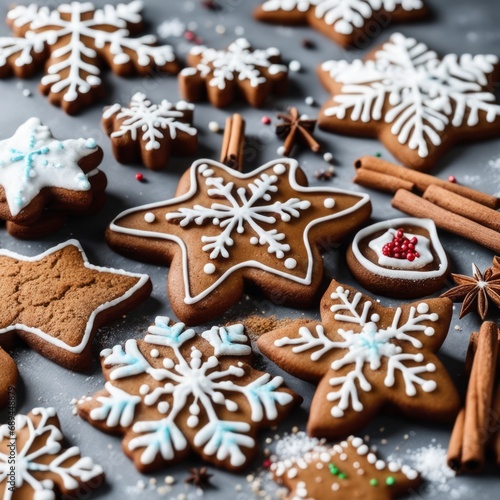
(365,358)
(415,102)
(178,392)
(74,42)
(225,228)
(344,471)
(222,75)
(150,132)
(38,467)
(56,301)
(347,22)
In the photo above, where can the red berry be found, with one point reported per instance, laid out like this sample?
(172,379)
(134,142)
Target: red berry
(189,35)
(452,178)
(139,177)
(410,256)
(266,120)
(267,463)
(401,247)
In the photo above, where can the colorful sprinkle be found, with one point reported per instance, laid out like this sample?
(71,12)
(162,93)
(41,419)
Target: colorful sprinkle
(377,155)
(373,482)
(452,178)
(333,470)
(266,120)
(139,177)
(390,481)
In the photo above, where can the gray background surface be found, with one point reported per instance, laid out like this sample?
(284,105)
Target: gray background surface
(456,26)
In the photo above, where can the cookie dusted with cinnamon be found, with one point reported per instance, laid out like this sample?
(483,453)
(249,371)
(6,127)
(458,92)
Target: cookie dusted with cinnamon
(400,258)
(240,70)
(149,132)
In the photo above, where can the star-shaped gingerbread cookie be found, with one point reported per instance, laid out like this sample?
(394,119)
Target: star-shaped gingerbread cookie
(177,392)
(8,377)
(365,358)
(347,22)
(225,228)
(57,300)
(415,102)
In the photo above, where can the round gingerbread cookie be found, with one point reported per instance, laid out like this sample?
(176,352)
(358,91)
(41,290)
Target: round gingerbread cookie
(399,258)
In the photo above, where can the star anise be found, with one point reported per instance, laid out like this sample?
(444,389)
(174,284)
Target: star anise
(198,477)
(295,128)
(477,291)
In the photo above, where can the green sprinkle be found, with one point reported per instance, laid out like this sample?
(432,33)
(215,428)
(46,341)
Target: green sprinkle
(377,155)
(333,470)
(373,482)
(390,481)
(342,475)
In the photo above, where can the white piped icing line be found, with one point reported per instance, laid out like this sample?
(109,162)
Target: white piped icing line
(40,457)
(407,86)
(151,120)
(142,279)
(240,212)
(406,270)
(209,382)
(32,159)
(365,350)
(79,41)
(238,62)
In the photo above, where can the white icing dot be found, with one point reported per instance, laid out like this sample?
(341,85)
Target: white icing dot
(254,240)
(379,464)
(281,151)
(149,217)
(309,100)
(328,157)
(209,268)
(393,466)
(335,486)
(329,203)
(423,308)
(163,407)
(375,318)
(192,421)
(214,127)
(295,66)
(290,263)
(144,389)
(154,353)
(357,441)
(429,331)
(279,169)
(363,449)
(292,473)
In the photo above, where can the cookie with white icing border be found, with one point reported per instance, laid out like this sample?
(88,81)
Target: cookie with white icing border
(150,132)
(366,358)
(44,469)
(347,470)
(8,376)
(177,392)
(400,258)
(225,229)
(56,301)
(350,23)
(75,41)
(222,75)
(417,104)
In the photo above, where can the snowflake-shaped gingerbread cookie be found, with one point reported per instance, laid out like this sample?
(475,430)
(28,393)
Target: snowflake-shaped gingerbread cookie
(74,42)
(150,132)
(176,391)
(347,22)
(35,465)
(225,228)
(418,104)
(367,357)
(221,75)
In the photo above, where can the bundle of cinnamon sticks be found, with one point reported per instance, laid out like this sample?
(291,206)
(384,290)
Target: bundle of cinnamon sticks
(460,210)
(476,433)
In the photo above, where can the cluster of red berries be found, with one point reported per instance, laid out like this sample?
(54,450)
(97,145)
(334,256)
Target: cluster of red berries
(401,247)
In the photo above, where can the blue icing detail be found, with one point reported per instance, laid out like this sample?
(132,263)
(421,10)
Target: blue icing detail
(91,143)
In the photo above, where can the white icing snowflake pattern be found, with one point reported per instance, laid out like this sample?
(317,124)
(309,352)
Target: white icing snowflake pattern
(171,28)
(32,159)
(238,62)
(211,384)
(37,465)
(150,119)
(369,347)
(77,35)
(419,95)
(244,208)
(343,15)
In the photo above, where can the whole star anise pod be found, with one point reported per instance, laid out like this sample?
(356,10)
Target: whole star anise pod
(294,128)
(198,477)
(477,291)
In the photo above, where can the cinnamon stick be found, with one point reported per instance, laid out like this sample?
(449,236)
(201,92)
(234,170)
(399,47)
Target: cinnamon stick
(495,426)
(463,206)
(381,182)
(479,398)
(416,206)
(233,142)
(471,352)
(423,181)
(454,457)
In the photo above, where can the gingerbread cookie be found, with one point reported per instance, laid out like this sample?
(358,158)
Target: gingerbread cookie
(347,470)
(8,377)
(74,42)
(177,392)
(366,358)
(400,258)
(347,22)
(416,103)
(225,228)
(35,465)
(56,301)
(150,132)
(220,75)
(39,172)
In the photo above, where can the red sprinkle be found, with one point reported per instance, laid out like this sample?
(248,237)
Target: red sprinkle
(266,463)
(401,247)
(189,35)
(139,177)
(452,178)
(266,120)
